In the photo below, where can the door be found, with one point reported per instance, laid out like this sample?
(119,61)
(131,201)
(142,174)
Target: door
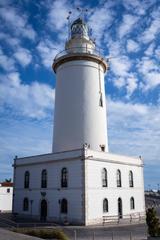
(120,212)
(43,210)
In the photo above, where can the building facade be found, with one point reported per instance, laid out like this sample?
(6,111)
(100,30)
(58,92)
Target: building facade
(80,182)
(6,193)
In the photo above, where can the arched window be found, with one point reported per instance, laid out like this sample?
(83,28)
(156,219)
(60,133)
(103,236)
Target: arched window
(132,205)
(105,205)
(26,179)
(119,183)
(64,177)
(131,179)
(64,206)
(104,178)
(44,178)
(25,204)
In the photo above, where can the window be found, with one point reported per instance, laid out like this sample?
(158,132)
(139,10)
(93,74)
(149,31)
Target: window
(64,206)
(26,179)
(25,204)
(130,178)
(64,178)
(119,183)
(105,205)
(8,190)
(104,178)
(132,205)
(102,148)
(44,178)
(101,101)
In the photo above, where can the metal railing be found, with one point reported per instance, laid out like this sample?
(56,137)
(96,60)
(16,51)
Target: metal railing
(129,218)
(80,50)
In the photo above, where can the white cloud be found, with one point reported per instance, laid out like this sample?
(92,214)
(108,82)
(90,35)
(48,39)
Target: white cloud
(23,56)
(150,50)
(32,100)
(150,71)
(132,46)
(100,20)
(6,63)
(150,33)
(58,13)
(48,50)
(127,25)
(11,41)
(137,6)
(17,22)
(134,130)
(131,85)
(153,30)
(120,66)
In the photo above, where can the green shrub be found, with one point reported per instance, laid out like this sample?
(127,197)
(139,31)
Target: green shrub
(152,222)
(43,233)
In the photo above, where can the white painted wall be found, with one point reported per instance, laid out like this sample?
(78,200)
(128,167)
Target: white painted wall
(96,193)
(6,198)
(54,192)
(78,117)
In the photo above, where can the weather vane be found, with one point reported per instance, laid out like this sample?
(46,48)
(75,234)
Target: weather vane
(82,14)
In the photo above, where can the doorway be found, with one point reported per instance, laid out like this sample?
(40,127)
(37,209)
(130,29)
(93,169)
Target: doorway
(120,211)
(43,210)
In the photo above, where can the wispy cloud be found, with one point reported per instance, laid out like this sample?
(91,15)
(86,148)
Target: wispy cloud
(30,100)
(17,22)
(150,71)
(23,56)
(6,63)
(47,50)
(127,25)
(132,46)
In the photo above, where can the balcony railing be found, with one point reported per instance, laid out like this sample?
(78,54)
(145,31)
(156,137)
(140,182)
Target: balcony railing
(80,50)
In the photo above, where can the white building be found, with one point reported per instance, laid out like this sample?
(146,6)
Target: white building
(80,182)
(6,193)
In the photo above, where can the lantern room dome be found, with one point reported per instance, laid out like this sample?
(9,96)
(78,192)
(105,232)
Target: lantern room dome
(79,29)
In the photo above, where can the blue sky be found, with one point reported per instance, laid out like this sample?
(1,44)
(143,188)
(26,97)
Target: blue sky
(32,32)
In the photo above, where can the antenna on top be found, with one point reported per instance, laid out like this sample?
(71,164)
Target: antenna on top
(68,19)
(82,11)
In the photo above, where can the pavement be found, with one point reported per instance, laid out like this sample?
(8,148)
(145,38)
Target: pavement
(131,232)
(9,235)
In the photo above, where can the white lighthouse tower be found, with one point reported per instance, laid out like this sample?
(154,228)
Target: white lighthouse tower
(80,106)
(79,182)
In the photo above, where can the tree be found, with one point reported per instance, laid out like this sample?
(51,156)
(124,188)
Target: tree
(152,222)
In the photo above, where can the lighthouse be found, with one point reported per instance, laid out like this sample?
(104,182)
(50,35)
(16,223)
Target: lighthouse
(80,182)
(80,103)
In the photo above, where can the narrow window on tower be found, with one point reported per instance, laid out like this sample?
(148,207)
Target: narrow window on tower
(101,100)
(102,147)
